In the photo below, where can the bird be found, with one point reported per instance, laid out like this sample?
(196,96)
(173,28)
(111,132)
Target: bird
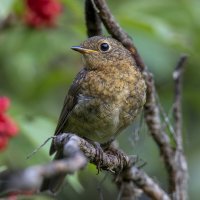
(104,98)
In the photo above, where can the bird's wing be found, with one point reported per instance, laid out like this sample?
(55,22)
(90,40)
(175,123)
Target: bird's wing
(69,103)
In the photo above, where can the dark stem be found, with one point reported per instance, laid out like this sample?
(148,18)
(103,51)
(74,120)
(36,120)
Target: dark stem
(93,22)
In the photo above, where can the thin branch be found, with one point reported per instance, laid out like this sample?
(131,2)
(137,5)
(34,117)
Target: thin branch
(93,22)
(38,148)
(166,119)
(177,111)
(142,180)
(152,115)
(180,173)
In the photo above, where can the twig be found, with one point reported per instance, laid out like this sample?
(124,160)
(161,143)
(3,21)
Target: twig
(180,175)
(93,22)
(152,116)
(166,119)
(177,111)
(94,6)
(142,180)
(38,148)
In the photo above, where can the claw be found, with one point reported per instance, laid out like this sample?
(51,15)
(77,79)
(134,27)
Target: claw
(99,156)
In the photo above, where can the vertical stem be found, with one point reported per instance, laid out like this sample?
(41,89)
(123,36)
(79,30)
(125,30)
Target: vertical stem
(177,109)
(179,191)
(93,22)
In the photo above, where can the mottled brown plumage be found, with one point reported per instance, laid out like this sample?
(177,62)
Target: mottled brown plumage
(105,96)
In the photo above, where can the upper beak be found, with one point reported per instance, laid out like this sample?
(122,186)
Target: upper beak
(83,50)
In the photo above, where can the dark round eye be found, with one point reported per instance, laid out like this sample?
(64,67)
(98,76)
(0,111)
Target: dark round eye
(104,47)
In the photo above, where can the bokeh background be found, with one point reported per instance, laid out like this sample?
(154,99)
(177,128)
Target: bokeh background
(37,67)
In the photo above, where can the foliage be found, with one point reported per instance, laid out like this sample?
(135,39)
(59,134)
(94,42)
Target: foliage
(37,67)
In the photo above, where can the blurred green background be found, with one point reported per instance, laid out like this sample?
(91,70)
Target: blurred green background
(37,67)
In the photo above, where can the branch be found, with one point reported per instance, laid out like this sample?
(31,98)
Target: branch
(153,120)
(107,160)
(142,180)
(32,177)
(75,149)
(93,22)
(180,174)
(177,76)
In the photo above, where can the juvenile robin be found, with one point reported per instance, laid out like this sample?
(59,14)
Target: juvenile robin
(104,98)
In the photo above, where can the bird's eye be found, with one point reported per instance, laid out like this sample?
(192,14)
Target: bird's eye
(104,46)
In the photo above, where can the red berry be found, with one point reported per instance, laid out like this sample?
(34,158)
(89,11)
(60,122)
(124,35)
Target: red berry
(8,128)
(4,104)
(41,13)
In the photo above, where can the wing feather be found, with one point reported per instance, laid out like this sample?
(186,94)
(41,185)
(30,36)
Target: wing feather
(69,103)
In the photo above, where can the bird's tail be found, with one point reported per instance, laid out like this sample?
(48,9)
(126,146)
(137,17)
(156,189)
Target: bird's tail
(53,183)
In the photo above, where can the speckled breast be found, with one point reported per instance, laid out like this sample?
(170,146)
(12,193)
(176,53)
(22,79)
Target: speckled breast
(107,104)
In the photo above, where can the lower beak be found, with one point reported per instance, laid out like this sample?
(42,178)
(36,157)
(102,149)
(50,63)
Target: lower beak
(83,50)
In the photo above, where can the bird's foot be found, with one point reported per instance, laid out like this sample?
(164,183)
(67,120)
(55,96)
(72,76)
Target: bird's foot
(99,156)
(113,149)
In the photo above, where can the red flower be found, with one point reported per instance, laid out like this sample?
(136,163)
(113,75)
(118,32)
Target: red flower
(7,126)
(41,13)
(4,104)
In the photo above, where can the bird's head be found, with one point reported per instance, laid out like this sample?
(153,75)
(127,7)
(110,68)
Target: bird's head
(100,52)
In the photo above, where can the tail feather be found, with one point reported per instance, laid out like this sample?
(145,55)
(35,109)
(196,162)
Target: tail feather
(54,183)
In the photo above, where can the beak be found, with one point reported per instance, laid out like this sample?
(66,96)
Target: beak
(83,50)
